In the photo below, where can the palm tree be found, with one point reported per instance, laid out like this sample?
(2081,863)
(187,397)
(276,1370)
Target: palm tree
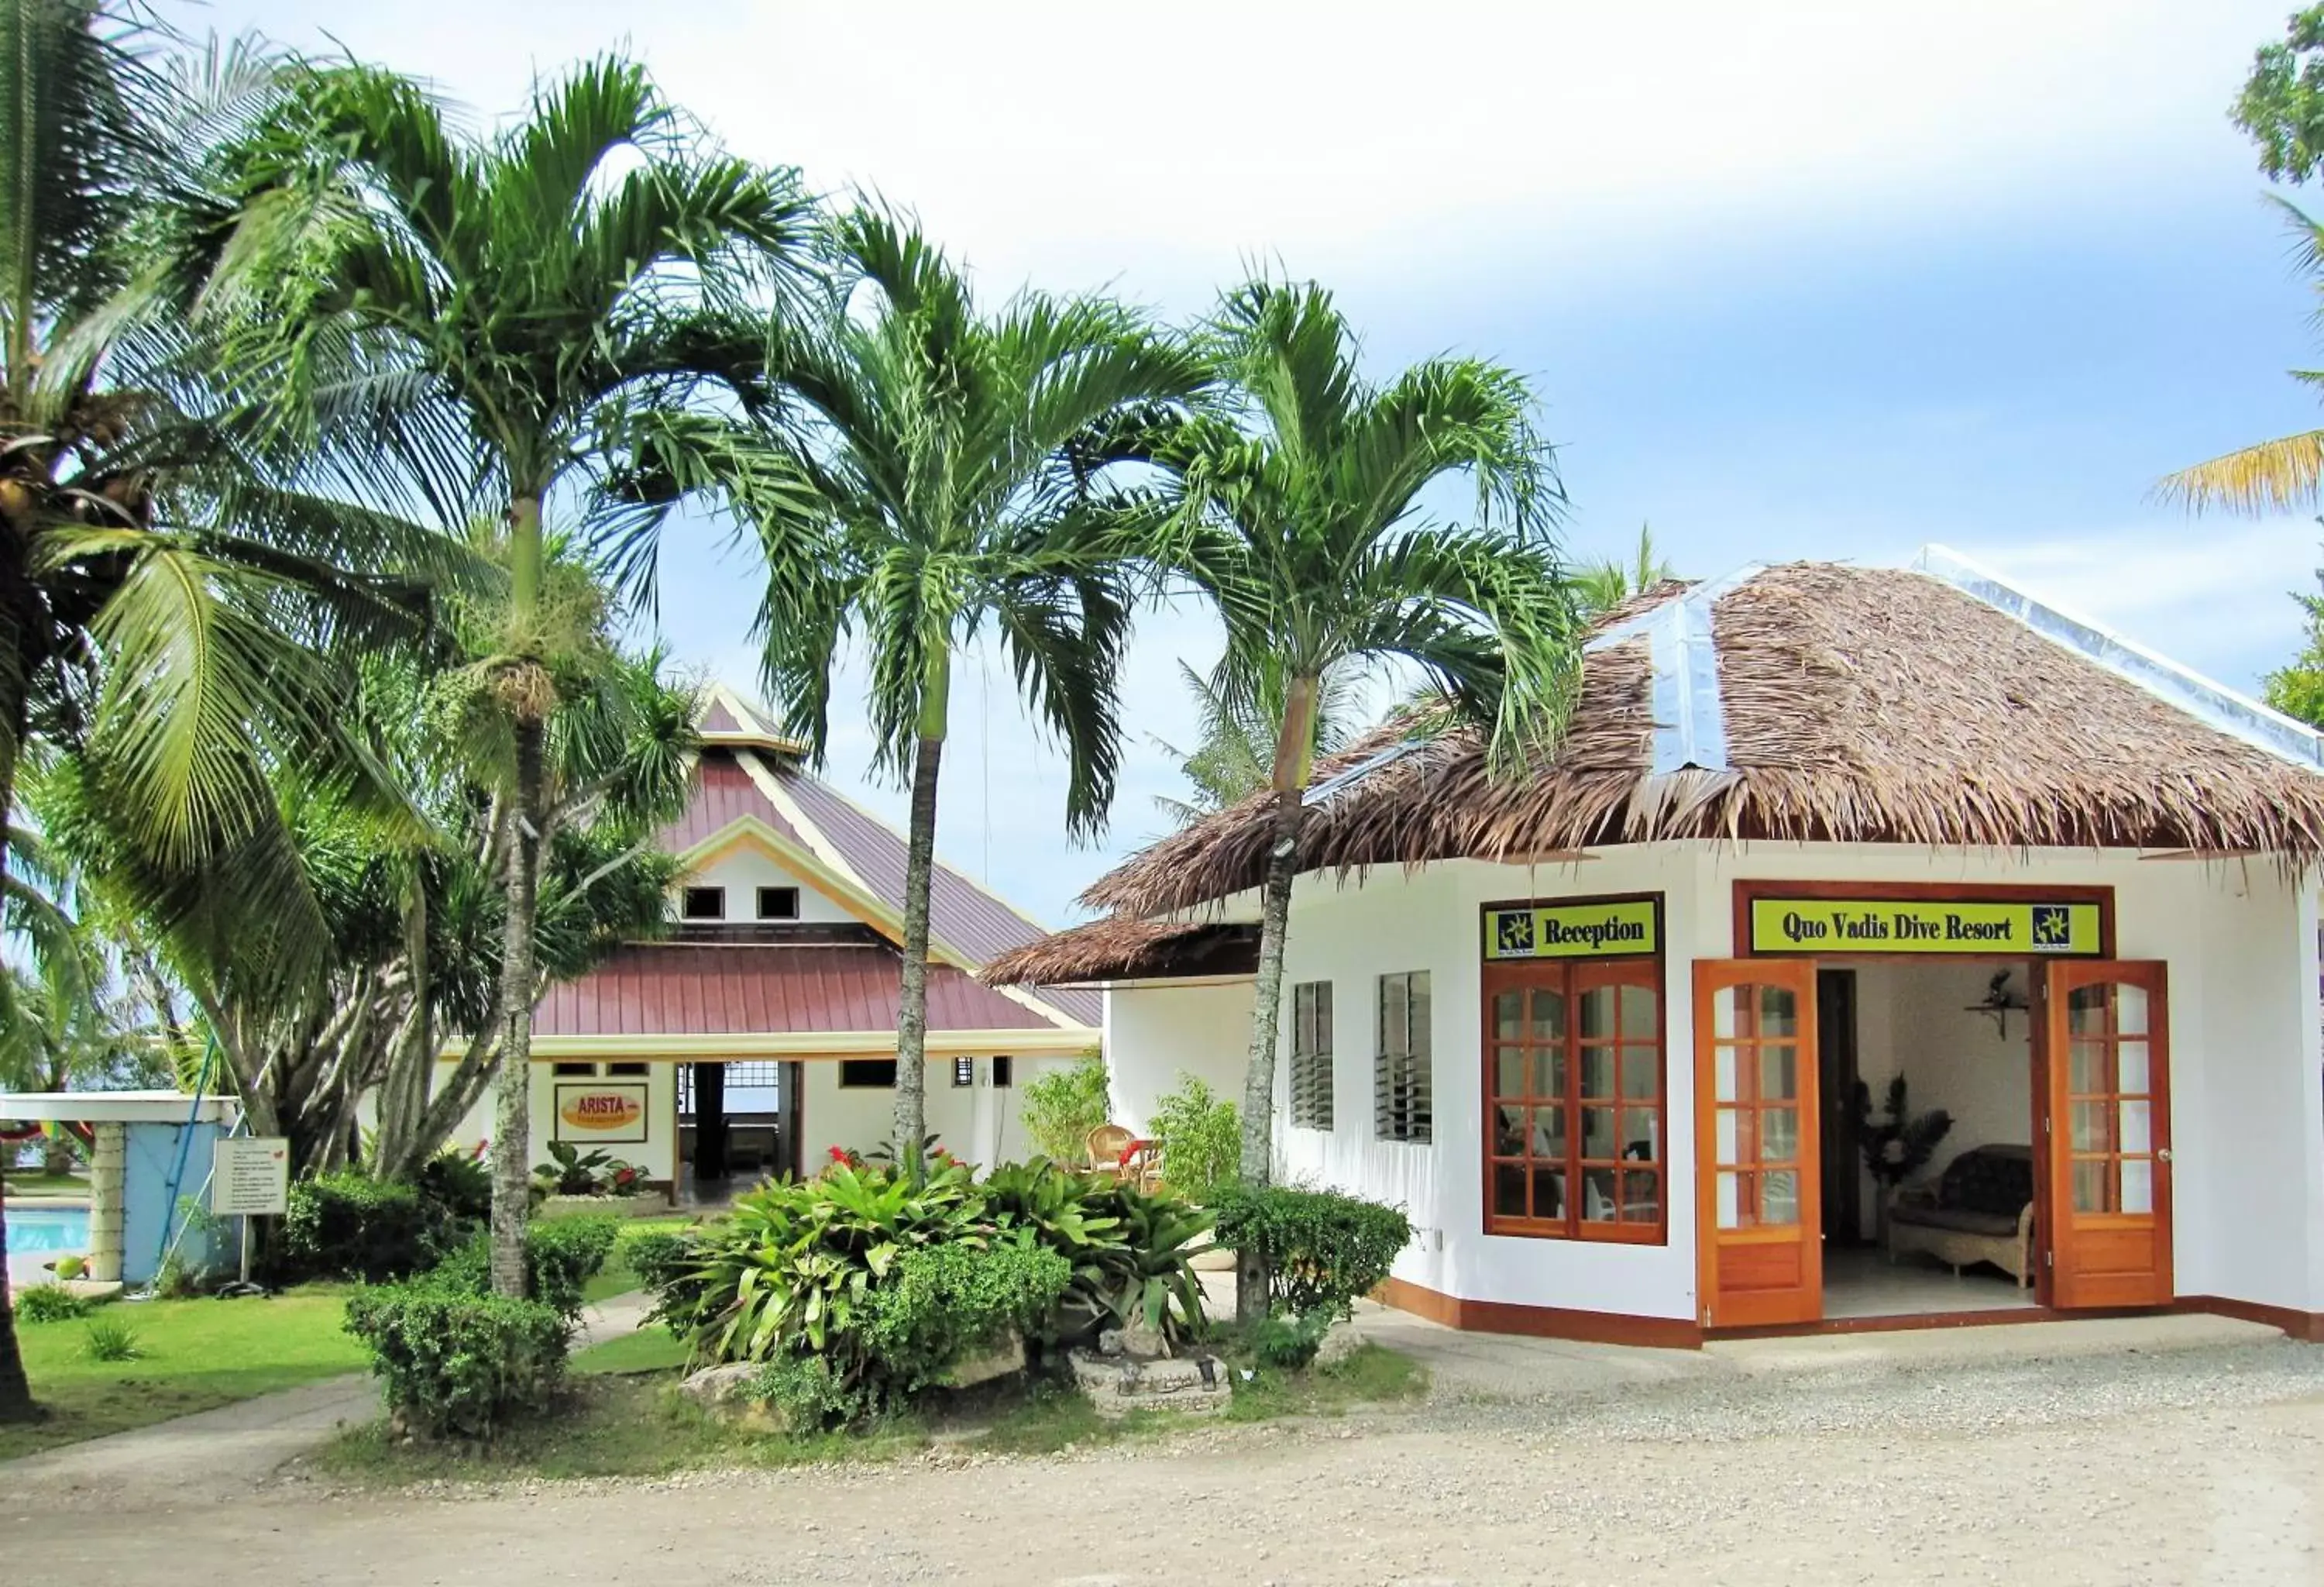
(1236,754)
(1300,517)
(1604,584)
(174,594)
(949,453)
(2272,477)
(558,317)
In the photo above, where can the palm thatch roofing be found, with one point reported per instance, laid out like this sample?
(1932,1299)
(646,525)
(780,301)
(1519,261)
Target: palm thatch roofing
(1124,949)
(1860,705)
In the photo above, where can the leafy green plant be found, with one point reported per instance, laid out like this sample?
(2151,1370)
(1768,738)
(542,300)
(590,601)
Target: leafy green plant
(561,1257)
(49,1303)
(1322,1249)
(1900,1144)
(457,1181)
(349,1225)
(453,1364)
(1141,1274)
(1061,1107)
(1290,1343)
(111,1340)
(570,1171)
(1201,1137)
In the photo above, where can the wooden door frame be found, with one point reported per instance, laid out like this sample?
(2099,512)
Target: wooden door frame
(1803,969)
(1840,1153)
(2052,1215)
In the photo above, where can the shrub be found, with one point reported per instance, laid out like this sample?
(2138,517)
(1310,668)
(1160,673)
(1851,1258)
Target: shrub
(1201,1139)
(659,1256)
(111,1340)
(49,1303)
(1290,1343)
(807,1394)
(1061,1107)
(890,1285)
(573,1172)
(349,1225)
(455,1364)
(458,1182)
(1321,1249)
(561,1258)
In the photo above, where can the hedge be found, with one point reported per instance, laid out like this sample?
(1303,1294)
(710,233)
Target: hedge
(1322,1249)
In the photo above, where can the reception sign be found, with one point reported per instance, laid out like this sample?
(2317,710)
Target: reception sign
(1781,925)
(1608,928)
(608,1115)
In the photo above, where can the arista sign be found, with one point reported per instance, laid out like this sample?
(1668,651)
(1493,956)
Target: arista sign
(2063,927)
(611,1113)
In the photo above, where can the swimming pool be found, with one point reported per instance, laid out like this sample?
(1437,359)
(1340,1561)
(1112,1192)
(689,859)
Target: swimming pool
(46,1230)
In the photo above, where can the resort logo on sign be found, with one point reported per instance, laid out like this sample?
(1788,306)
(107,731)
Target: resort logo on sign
(601,1113)
(1922,926)
(1574,931)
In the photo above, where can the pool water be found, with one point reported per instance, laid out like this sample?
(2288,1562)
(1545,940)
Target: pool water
(46,1230)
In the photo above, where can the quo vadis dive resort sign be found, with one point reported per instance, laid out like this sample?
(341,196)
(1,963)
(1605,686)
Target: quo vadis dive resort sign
(611,1113)
(1574,931)
(1922,926)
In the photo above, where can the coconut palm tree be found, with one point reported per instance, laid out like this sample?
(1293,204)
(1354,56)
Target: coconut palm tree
(1236,754)
(551,320)
(949,453)
(1300,515)
(2275,475)
(176,597)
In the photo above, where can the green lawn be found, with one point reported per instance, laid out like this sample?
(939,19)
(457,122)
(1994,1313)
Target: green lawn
(618,1278)
(193,1355)
(648,1350)
(37,1186)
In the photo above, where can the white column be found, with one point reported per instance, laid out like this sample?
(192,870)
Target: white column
(108,1208)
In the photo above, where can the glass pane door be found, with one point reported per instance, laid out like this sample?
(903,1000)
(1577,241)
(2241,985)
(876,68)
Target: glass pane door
(1760,1236)
(2108,1206)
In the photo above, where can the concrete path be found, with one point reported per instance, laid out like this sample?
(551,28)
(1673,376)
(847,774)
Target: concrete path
(223,1454)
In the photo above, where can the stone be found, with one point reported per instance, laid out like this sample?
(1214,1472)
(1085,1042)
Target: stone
(1000,1361)
(1142,1339)
(1340,1340)
(719,1386)
(1117,1386)
(1109,1341)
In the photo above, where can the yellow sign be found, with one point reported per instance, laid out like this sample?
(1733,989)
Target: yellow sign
(601,1113)
(1922,926)
(1574,931)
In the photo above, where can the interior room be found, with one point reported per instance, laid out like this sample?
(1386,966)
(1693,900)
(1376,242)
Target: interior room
(1951,1234)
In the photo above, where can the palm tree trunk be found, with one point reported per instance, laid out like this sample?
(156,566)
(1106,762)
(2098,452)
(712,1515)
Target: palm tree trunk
(513,1105)
(1294,754)
(911,1123)
(16,1389)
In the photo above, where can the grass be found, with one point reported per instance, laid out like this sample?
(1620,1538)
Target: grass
(192,1355)
(37,1186)
(622,1419)
(618,1276)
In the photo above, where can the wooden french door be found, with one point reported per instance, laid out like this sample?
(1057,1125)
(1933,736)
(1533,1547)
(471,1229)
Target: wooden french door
(1759,1222)
(2109,1134)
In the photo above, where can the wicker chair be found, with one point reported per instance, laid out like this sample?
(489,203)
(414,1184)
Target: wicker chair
(1106,1143)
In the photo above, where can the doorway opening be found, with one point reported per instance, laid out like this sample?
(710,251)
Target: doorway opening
(738,1122)
(1925,1224)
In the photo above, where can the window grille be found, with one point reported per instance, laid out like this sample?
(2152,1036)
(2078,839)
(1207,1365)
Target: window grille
(1401,1108)
(1311,1055)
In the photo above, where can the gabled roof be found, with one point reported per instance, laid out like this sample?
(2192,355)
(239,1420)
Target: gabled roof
(1816,702)
(749,785)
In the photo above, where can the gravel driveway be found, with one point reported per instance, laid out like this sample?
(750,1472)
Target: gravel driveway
(2196,1466)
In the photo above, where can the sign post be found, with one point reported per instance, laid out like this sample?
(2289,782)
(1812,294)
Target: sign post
(250,1177)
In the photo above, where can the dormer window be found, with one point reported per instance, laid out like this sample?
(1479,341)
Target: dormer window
(702,903)
(779,903)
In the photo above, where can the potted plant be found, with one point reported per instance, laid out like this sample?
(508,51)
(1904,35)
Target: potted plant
(1896,1145)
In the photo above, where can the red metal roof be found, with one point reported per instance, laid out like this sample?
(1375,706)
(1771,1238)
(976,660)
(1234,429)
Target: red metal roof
(723,793)
(659,989)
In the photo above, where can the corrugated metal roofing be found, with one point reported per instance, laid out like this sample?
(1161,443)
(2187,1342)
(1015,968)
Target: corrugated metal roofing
(665,990)
(724,793)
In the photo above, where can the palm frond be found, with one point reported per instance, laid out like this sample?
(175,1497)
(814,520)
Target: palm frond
(2273,476)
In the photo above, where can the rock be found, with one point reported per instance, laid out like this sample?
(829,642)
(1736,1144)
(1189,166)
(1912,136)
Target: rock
(1340,1340)
(1109,1341)
(999,1362)
(1118,1386)
(719,1386)
(1144,1340)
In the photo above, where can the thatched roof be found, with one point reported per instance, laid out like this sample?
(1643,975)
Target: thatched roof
(1119,948)
(1860,705)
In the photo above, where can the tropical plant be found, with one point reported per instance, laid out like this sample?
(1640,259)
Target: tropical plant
(1322,1251)
(949,451)
(553,317)
(570,1171)
(1899,1142)
(2296,689)
(111,1339)
(1604,584)
(1061,1106)
(51,1303)
(1297,510)
(1201,1139)
(2281,105)
(1234,756)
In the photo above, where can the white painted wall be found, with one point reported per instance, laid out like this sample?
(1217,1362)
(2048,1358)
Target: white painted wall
(1155,1035)
(657,1155)
(742,871)
(2248,1062)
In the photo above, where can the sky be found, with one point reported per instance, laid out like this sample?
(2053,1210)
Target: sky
(1792,279)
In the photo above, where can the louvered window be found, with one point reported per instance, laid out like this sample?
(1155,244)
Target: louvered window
(1311,1055)
(1401,1108)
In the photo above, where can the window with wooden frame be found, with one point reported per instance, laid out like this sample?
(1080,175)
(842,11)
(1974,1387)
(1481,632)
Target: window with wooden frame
(1575,1094)
(1311,1055)
(1401,1108)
